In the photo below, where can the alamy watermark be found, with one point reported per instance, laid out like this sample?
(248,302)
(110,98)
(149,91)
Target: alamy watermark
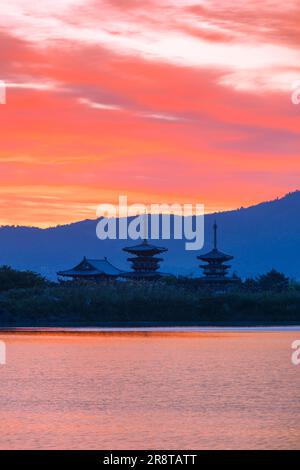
(157,221)
(2,353)
(296,354)
(2,92)
(296,92)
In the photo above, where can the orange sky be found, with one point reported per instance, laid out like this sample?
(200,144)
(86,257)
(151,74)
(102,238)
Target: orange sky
(161,100)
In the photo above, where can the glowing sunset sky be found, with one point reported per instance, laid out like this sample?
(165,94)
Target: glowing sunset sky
(162,100)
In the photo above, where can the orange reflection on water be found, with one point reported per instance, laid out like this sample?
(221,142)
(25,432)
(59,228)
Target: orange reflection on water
(150,390)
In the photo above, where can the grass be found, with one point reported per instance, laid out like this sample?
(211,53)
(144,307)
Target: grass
(144,302)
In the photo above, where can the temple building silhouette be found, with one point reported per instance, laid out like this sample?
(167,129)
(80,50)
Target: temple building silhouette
(215,271)
(145,264)
(92,270)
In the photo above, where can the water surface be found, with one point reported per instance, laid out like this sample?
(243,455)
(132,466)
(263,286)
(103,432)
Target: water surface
(150,389)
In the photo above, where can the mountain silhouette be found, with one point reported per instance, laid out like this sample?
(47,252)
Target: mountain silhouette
(260,238)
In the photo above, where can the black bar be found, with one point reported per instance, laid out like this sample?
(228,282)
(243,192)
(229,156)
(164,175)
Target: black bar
(150,458)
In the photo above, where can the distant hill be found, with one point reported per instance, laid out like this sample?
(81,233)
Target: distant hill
(260,237)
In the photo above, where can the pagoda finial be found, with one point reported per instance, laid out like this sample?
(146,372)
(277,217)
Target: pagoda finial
(215,235)
(145,227)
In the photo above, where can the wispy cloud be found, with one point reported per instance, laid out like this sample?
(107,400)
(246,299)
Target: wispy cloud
(45,85)
(96,105)
(181,33)
(162,117)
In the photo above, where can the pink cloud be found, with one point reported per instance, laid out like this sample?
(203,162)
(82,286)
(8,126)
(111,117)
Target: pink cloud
(163,102)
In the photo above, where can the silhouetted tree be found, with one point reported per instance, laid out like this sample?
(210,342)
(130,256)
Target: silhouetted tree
(273,281)
(250,285)
(236,277)
(13,279)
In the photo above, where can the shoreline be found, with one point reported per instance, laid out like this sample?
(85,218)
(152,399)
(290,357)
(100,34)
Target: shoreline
(145,327)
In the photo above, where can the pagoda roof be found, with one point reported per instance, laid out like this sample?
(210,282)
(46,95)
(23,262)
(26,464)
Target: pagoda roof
(144,248)
(92,267)
(145,275)
(215,255)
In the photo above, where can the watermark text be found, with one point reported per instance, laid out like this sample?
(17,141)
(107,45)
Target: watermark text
(2,353)
(159,221)
(296,92)
(2,92)
(296,353)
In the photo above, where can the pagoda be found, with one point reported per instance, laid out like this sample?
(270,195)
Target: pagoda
(145,264)
(216,271)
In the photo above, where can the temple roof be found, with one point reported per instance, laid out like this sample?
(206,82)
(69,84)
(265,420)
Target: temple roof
(145,248)
(92,267)
(215,254)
